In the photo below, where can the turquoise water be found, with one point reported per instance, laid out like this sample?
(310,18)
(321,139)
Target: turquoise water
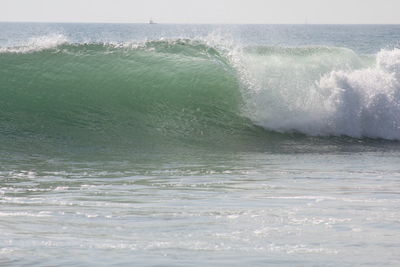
(177,145)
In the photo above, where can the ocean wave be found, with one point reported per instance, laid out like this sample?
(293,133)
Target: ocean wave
(194,90)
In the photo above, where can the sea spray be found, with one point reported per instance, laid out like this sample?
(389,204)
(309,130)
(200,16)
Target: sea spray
(38,43)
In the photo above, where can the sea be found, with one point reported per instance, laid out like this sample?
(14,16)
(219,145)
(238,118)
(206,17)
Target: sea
(195,145)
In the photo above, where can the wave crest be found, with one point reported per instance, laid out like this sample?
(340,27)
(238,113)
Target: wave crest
(35,44)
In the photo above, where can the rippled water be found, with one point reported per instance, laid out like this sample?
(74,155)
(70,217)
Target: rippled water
(239,209)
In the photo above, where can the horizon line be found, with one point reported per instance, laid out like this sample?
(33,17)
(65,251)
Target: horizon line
(195,23)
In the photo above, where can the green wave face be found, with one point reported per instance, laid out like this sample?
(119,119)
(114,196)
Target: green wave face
(94,94)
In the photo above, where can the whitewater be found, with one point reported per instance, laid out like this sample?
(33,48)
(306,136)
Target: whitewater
(153,145)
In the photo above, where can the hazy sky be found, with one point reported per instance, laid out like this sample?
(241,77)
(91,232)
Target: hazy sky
(203,11)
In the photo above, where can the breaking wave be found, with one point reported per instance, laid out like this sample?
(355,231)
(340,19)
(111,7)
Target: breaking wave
(194,91)
(325,91)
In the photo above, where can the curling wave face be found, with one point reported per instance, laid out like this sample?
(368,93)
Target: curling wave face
(139,95)
(188,91)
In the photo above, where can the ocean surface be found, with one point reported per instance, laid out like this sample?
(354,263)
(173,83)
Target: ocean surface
(194,145)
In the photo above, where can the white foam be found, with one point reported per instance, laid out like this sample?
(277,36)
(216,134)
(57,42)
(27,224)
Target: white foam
(326,93)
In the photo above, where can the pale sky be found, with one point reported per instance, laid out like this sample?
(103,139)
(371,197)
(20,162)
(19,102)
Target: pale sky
(204,11)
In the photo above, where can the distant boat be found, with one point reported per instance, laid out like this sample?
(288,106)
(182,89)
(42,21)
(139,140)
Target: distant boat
(152,21)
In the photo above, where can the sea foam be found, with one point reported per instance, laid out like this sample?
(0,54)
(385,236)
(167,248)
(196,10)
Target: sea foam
(326,92)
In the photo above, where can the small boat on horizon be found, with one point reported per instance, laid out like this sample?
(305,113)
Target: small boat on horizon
(152,21)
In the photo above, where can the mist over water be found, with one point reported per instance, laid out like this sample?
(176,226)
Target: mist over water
(159,144)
